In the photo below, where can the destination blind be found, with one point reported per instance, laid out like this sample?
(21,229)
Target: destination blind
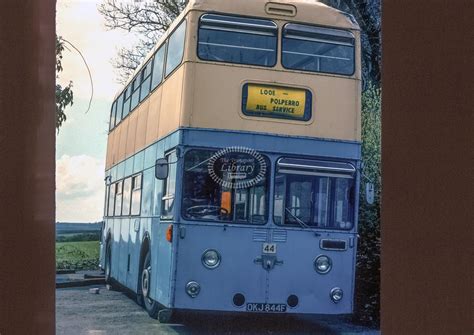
(277,102)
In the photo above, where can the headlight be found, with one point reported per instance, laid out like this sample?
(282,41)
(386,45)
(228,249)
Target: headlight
(211,259)
(193,289)
(323,264)
(336,294)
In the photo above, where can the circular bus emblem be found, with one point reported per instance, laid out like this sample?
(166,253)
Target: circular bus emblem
(237,167)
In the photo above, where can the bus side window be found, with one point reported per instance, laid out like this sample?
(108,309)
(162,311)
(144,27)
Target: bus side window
(111,204)
(113,112)
(146,78)
(118,198)
(158,63)
(118,115)
(175,52)
(126,196)
(136,91)
(127,98)
(169,188)
(106,200)
(136,194)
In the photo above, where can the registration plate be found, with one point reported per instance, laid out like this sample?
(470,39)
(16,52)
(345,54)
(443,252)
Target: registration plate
(266,308)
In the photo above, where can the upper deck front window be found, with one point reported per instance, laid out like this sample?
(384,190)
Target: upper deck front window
(317,49)
(240,40)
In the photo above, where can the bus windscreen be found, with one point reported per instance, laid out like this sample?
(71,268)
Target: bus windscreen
(206,199)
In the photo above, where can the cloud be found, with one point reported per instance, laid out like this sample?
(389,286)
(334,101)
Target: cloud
(79,188)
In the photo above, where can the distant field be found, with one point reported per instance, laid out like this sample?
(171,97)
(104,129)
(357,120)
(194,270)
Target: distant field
(77,255)
(77,228)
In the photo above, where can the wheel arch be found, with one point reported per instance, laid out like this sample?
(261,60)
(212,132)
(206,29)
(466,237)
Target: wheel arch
(108,256)
(108,236)
(144,248)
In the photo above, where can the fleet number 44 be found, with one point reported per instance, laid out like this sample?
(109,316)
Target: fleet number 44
(269,248)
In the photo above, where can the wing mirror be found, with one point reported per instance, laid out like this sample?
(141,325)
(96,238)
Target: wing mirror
(161,168)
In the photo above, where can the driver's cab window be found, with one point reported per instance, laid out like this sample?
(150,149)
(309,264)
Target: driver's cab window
(206,199)
(310,193)
(299,199)
(169,187)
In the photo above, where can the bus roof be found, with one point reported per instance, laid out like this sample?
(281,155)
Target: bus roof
(307,11)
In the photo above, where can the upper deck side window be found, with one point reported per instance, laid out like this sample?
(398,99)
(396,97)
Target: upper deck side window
(146,79)
(113,112)
(240,40)
(318,49)
(151,75)
(158,64)
(127,95)
(135,92)
(175,53)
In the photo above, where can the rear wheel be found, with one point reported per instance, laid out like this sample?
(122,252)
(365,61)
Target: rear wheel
(151,306)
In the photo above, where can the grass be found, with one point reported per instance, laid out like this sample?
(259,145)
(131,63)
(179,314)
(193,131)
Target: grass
(82,255)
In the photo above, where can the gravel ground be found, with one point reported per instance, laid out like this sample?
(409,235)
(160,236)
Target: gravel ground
(111,312)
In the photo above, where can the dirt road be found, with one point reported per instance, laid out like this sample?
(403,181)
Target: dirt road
(112,312)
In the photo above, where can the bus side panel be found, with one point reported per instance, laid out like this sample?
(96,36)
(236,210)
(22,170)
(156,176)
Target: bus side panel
(161,249)
(123,251)
(115,246)
(161,258)
(134,245)
(102,244)
(170,111)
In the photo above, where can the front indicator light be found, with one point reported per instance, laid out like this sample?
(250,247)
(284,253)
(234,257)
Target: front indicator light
(211,259)
(336,294)
(322,264)
(169,233)
(193,289)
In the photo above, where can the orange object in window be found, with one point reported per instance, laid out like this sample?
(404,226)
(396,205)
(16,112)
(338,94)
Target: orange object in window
(226,200)
(169,233)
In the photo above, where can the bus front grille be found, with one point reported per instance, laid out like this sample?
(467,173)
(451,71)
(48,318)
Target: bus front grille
(259,235)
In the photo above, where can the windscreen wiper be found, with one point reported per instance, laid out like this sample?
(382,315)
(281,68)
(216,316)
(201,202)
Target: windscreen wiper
(302,224)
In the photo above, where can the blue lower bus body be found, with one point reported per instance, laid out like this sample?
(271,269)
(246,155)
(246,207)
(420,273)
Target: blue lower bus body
(240,245)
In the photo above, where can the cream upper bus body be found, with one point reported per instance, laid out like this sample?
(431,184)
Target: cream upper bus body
(208,94)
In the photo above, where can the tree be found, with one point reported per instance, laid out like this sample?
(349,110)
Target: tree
(64,96)
(367,14)
(149,19)
(368,254)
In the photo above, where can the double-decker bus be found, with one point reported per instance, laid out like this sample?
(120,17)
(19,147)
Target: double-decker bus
(232,168)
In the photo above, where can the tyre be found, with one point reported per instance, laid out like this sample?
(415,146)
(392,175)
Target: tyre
(151,306)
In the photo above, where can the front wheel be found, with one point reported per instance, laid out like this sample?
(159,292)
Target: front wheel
(108,263)
(151,306)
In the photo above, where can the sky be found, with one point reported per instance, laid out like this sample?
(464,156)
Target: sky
(82,140)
